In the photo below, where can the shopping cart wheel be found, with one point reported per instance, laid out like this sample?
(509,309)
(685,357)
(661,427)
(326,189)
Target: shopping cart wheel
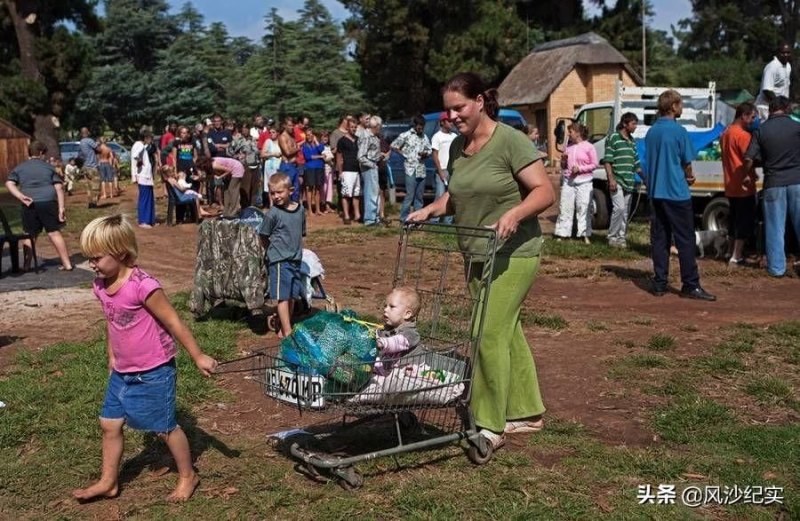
(349,478)
(480,451)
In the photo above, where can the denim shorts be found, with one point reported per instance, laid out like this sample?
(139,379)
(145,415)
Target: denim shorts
(284,280)
(146,400)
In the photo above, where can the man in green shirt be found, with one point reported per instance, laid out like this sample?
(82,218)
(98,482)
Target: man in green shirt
(621,163)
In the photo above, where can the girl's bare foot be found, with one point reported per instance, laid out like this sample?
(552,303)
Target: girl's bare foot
(98,490)
(184,489)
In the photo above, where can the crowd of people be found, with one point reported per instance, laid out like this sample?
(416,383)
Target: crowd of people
(224,166)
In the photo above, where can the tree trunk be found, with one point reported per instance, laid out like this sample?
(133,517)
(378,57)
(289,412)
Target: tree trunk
(45,124)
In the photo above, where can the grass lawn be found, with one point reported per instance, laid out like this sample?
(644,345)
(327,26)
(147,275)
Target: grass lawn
(722,420)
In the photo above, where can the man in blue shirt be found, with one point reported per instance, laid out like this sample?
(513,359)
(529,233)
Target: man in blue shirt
(220,136)
(668,177)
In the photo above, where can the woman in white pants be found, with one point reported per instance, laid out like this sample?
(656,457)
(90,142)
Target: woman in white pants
(578,163)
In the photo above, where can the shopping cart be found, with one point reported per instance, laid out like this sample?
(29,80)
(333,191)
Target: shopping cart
(424,401)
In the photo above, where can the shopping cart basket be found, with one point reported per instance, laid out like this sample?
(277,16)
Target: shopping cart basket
(427,393)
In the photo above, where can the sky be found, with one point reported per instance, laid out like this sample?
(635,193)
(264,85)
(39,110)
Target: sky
(246,17)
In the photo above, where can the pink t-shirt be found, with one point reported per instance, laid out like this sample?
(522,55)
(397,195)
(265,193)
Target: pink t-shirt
(139,342)
(234,165)
(584,156)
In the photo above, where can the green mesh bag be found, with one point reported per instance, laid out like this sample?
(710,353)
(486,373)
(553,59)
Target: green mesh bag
(334,345)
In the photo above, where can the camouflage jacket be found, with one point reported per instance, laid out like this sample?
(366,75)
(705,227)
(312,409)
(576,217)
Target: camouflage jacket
(230,266)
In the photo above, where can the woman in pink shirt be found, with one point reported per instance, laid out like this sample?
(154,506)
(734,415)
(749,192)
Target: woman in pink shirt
(230,169)
(578,164)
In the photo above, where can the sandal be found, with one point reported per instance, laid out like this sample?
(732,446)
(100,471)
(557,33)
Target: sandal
(521,427)
(496,440)
(64,268)
(273,323)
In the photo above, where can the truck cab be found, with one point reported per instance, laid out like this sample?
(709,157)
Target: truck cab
(699,118)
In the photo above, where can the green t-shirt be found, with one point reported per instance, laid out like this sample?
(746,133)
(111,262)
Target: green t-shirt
(484,186)
(624,159)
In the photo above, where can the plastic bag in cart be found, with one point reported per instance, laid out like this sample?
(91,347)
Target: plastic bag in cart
(331,345)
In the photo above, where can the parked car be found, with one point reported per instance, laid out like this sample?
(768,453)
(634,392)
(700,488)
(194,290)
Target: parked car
(392,129)
(70,149)
(122,153)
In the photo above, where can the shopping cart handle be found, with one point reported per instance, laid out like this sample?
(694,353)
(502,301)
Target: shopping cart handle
(222,370)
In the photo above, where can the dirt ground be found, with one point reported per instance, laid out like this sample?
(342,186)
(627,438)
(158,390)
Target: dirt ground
(572,363)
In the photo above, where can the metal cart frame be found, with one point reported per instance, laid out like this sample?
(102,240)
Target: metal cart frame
(451,269)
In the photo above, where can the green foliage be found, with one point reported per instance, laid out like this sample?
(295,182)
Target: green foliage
(408,49)
(59,57)
(545,320)
(661,342)
(691,418)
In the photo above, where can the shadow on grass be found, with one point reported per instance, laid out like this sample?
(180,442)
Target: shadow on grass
(156,458)
(331,440)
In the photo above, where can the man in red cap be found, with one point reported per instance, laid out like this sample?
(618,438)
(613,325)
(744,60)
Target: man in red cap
(440,143)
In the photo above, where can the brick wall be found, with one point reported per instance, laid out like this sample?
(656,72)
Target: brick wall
(584,84)
(570,94)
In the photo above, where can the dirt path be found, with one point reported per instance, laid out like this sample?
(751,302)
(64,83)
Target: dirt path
(606,311)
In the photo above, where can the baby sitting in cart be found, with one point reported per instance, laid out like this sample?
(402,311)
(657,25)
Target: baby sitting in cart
(399,376)
(399,335)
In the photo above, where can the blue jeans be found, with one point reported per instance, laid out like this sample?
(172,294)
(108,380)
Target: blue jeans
(415,187)
(673,219)
(440,190)
(780,202)
(370,193)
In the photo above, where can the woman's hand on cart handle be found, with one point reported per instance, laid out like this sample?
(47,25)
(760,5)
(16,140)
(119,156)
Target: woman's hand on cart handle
(419,216)
(205,364)
(506,226)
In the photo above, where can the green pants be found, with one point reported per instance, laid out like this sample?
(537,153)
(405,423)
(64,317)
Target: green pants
(504,385)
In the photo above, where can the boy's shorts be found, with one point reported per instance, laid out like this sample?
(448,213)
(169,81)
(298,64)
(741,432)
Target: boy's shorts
(146,400)
(106,172)
(219,181)
(351,184)
(41,215)
(284,280)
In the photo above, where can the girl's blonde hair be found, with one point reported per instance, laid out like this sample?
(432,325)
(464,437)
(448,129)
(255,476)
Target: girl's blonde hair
(113,235)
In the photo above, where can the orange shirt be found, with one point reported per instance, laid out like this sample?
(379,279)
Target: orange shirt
(733,144)
(299,138)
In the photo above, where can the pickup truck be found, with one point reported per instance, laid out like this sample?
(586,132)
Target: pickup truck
(699,118)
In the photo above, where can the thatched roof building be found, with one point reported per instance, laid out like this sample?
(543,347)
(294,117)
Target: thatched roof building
(559,76)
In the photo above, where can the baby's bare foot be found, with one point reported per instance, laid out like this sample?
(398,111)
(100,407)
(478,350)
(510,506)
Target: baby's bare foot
(98,490)
(185,488)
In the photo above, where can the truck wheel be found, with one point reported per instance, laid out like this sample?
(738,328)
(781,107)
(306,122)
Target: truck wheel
(715,215)
(600,214)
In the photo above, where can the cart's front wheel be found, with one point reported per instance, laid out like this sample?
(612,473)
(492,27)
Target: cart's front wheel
(349,478)
(481,451)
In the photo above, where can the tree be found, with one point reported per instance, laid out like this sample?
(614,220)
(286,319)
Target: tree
(407,49)
(733,39)
(300,68)
(120,91)
(46,72)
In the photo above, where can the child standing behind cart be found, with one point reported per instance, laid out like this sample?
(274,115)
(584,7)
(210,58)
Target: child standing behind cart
(282,230)
(142,328)
(399,335)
